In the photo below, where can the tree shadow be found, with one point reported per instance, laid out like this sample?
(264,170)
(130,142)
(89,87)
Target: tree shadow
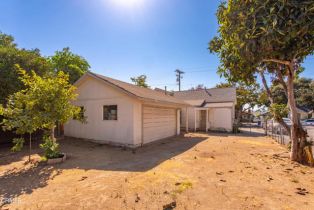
(16,182)
(7,156)
(88,155)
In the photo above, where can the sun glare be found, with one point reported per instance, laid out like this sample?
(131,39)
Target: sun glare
(128,3)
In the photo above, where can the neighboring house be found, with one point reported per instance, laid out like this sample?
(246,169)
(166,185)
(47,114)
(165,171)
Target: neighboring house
(303,113)
(211,109)
(247,116)
(120,113)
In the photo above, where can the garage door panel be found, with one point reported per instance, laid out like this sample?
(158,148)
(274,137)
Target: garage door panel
(158,123)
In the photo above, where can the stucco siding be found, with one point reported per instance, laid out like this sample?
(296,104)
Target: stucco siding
(137,123)
(220,119)
(93,95)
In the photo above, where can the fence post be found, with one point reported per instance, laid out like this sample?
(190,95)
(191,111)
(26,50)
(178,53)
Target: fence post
(266,128)
(272,129)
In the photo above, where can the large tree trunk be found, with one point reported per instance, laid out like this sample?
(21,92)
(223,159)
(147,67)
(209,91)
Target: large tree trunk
(271,99)
(297,133)
(294,119)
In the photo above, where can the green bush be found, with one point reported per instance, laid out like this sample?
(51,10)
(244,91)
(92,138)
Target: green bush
(18,144)
(50,147)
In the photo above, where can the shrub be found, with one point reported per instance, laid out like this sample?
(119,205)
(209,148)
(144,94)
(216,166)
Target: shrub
(51,148)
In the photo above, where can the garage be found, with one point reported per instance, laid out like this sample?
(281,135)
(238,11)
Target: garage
(158,123)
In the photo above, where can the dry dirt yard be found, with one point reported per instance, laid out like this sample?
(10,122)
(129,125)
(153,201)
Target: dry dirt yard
(195,171)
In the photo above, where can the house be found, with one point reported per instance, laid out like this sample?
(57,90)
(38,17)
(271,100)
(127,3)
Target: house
(120,113)
(303,113)
(247,116)
(210,109)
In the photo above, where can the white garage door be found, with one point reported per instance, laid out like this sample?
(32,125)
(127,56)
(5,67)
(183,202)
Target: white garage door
(158,123)
(222,119)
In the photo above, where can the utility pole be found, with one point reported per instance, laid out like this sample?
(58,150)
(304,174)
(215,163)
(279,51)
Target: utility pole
(179,77)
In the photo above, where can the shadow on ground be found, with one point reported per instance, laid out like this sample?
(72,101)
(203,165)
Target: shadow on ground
(87,155)
(16,182)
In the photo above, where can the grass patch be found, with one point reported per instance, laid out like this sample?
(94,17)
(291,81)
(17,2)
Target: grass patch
(182,186)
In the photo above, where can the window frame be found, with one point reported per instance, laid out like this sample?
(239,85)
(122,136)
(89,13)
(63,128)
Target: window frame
(110,108)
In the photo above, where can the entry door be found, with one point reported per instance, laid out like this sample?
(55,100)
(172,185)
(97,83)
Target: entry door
(203,120)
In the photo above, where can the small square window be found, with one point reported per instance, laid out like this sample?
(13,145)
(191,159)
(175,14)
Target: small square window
(110,112)
(81,114)
(82,111)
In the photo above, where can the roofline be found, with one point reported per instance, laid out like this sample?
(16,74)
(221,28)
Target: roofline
(124,90)
(204,89)
(214,102)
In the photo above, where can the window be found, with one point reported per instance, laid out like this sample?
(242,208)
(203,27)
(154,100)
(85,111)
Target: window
(81,114)
(110,112)
(82,111)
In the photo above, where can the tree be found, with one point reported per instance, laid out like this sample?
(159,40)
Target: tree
(247,97)
(44,102)
(267,36)
(19,116)
(70,63)
(6,40)
(10,55)
(198,87)
(304,93)
(140,81)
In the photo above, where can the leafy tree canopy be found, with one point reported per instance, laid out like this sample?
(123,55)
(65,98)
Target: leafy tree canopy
(198,87)
(70,63)
(43,102)
(10,55)
(259,32)
(140,81)
(304,93)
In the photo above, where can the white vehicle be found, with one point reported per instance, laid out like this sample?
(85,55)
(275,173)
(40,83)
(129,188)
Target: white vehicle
(308,122)
(287,121)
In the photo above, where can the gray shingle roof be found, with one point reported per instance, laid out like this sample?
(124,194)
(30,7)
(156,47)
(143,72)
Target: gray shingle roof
(140,92)
(212,95)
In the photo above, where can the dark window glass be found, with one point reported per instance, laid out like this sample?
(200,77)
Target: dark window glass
(110,112)
(81,114)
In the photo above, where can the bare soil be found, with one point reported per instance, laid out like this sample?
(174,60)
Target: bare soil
(195,171)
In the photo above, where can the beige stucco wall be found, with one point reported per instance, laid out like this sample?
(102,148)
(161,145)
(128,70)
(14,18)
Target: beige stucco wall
(220,119)
(93,95)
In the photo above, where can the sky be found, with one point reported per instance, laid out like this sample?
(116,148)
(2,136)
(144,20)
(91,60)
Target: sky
(125,38)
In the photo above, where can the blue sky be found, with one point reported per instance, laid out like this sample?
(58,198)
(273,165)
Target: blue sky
(125,38)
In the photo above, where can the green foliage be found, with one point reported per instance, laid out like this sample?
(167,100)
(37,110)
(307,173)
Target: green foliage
(198,87)
(304,93)
(70,63)
(10,55)
(140,81)
(258,34)
(278,111)
(18,144)
(32,60)
(6,40)
(50,147)
(44,101)
(50,97)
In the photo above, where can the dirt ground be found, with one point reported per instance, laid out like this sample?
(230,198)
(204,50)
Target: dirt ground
(195,171)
